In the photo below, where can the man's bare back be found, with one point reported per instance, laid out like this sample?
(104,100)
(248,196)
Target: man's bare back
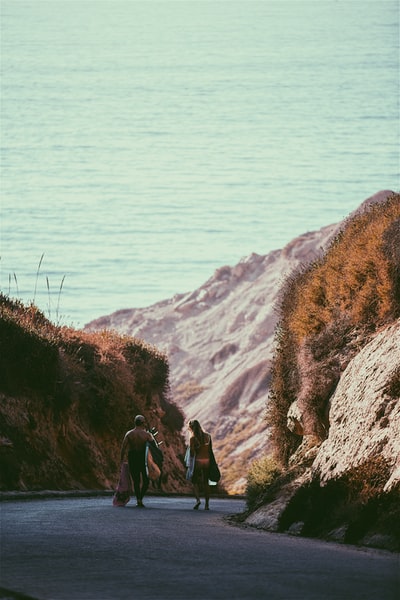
(137,438)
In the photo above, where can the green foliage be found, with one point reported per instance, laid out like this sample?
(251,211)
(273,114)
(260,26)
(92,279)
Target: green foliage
(263,473)
(327,310)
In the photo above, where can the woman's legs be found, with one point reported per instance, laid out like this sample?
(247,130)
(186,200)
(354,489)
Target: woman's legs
(200,476)
(196,486)
(197,495)
(206,489)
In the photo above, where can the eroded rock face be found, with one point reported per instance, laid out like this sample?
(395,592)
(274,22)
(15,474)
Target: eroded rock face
(364,426)
(365,412)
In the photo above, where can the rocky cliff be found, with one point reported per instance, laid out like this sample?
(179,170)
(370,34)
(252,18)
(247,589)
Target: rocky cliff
(219,340)
(348,489)
(334,403)
(364,413)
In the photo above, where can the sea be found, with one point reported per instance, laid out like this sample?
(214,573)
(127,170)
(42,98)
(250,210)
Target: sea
(145,144)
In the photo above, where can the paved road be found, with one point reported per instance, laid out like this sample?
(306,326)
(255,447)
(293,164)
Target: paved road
(85,549)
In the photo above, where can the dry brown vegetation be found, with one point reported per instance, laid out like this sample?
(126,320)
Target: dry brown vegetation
(327,310)
(68,397)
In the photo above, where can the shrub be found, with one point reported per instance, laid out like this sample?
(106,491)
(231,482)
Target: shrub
(28,349)
(357,277)
(260,478)
(367,480)
(173,417)
(70,396)
(326,311)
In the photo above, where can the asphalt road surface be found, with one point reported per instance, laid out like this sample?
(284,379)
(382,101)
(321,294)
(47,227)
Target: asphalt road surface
(86,549)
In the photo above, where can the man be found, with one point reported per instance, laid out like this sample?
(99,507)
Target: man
(135,443)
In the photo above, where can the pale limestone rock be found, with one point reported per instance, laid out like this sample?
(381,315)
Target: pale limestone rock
(296,528)
(306,452)
(294,419)
(267,516)
(338,534)
(364,418)
(365,423)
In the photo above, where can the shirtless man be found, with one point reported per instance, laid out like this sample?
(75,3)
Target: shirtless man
(135,443)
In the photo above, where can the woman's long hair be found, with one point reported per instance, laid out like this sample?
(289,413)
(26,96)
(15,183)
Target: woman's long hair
(197,431)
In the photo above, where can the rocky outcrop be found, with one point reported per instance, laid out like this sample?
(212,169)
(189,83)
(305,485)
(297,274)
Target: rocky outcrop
(364,416)
(363,442)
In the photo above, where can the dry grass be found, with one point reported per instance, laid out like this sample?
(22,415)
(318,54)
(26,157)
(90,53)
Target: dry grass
(262,474)
(357,277)
(327,311)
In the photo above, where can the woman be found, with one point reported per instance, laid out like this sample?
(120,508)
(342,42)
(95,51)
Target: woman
(200,444)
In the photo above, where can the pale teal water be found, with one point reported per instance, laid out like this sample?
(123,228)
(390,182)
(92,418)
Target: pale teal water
(145,144)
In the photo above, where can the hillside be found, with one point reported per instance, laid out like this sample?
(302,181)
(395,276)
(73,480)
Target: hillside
(347,488)
(219,340)
(68,397)
(334,403)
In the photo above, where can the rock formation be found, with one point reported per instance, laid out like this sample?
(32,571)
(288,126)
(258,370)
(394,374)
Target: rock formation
(363,447)
(365,409)
(334,407)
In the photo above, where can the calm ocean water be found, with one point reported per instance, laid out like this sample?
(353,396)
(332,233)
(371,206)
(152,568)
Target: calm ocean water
(145,144)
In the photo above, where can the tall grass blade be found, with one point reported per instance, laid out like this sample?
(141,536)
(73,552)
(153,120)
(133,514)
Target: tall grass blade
(48,293)
(58,300)
(16,283)
(37,277)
